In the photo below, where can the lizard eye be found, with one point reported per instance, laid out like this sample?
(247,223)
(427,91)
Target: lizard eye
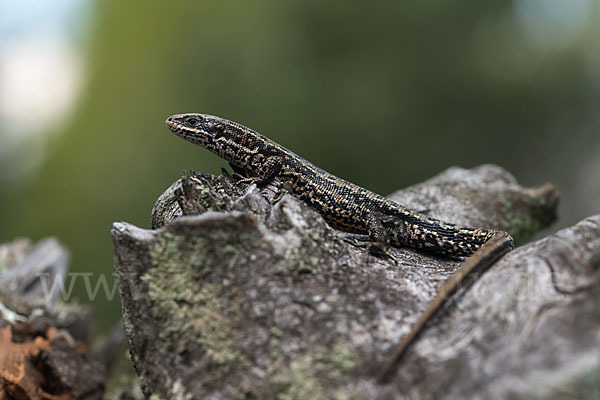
(192,121)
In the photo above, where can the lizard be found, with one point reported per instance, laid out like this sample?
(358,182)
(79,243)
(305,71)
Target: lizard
(350,208)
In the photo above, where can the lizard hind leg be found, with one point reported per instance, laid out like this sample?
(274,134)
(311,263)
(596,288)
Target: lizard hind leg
(384,231)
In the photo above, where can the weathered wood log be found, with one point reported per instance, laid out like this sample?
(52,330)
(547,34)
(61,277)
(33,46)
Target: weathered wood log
(43,341)
(258,297)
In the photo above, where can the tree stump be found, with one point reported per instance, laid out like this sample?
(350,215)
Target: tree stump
(257,297)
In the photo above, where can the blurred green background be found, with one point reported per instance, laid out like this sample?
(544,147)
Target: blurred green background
(384,94)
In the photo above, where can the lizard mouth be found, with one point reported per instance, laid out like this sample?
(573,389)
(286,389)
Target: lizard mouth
(175,126)
(171,123)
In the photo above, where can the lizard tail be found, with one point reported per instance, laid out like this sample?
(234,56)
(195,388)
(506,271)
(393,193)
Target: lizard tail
(498,245)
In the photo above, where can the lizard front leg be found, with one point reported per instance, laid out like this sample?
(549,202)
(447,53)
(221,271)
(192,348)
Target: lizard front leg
(269,170)
(266,172)
(238,171)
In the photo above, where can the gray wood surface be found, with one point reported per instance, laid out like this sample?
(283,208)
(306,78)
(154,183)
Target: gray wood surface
(257,297)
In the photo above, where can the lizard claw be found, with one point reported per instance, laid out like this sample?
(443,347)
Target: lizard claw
(379,250)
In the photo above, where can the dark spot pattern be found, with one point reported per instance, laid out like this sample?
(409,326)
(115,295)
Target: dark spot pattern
(342,204)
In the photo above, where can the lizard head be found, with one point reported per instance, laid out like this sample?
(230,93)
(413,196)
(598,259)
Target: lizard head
(200,129)
(227,139)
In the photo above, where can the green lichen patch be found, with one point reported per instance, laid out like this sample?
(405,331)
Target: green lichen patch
(203,196)
(195,315)
(315,375)
(521,224)
(308,255)
(585,386)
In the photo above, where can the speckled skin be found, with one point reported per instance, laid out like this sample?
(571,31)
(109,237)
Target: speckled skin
(349,207)
(344,205)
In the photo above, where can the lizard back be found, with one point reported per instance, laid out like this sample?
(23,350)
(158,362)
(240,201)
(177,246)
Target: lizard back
(344,205)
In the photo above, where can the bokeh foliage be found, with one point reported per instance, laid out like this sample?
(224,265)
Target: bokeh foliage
(381,93)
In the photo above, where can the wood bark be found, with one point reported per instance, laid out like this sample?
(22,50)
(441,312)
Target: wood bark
(257,297)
